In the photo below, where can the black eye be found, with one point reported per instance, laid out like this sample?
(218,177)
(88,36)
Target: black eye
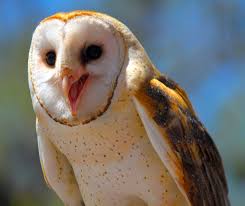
(51,58)
(92,52)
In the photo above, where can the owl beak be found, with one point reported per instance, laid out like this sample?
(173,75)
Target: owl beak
(73,85)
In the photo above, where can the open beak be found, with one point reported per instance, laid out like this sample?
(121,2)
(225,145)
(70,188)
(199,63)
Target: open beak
(73,85)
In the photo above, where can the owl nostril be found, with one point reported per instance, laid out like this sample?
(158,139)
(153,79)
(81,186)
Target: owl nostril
(65,72)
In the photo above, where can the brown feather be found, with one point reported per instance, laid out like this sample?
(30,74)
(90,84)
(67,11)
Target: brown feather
(199,166)
(70,15)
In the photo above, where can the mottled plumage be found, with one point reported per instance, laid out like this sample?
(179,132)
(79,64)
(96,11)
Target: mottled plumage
(192,155)
(111,129)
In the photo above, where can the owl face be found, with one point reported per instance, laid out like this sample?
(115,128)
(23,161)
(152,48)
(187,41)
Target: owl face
(74,65)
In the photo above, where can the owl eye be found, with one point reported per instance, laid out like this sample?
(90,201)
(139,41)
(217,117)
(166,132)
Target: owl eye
(92,52)
(51,58)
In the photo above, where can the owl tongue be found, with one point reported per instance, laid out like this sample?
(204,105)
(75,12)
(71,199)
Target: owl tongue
(75,92)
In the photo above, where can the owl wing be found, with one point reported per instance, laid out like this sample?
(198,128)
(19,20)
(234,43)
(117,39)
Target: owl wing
(57,171)
(182,143)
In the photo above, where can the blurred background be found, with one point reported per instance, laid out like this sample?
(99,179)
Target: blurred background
(200,44)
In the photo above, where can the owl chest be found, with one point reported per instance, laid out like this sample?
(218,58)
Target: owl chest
(109,139)
(114,162)
(116,165)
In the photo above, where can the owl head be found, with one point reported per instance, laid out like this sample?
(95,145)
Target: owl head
(75,62)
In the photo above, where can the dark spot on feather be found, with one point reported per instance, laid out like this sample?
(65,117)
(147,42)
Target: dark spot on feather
(161,116)
(175,131)
(156,94)
(168,82)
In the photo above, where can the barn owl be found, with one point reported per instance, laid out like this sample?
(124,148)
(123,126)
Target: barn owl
(111,129)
